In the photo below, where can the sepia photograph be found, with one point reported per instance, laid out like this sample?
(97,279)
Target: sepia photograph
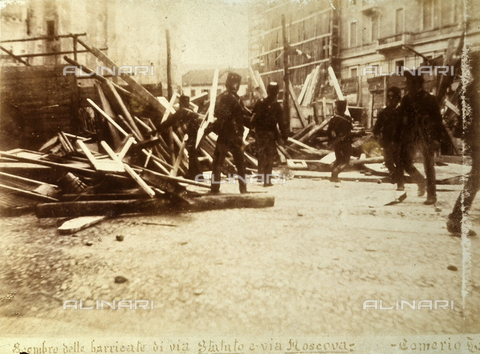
(239,176)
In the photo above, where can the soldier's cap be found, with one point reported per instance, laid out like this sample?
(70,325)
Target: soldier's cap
(272,88)
(416,76)
(184,101)
(341,104)
(232,79)
(397,93)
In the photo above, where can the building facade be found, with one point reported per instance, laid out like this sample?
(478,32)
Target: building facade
(312,31)
(363,40)
(122,29)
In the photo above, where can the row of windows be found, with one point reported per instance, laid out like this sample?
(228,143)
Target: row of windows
(297,32)
(318,49)
(435,14)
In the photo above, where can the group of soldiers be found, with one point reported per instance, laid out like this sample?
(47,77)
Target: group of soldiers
(232,117)
(407,123)
(403,126)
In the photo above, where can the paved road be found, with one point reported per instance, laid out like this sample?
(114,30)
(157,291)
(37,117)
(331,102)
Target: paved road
(304,267)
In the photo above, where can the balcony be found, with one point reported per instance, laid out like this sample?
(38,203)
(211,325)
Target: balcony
(396,41)
(370,8)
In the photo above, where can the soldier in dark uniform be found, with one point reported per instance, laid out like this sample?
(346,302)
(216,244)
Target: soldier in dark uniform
(190,122)
(267,114)
(398,154)
(422,127)
(470,127)
(229,112)
(386,129)
(339,134)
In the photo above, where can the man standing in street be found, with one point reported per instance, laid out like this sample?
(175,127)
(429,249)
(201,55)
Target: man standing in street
(339,134)
(267,115)
(190,122)
(422,127)
(389,130)
(229,112)
(386,130)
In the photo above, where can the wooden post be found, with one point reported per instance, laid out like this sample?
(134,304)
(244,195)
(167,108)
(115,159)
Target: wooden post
(169,66)
(74,47)
(286,77)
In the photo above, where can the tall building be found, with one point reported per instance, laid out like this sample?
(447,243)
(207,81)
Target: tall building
(361,39)
(311,32)
(130,33)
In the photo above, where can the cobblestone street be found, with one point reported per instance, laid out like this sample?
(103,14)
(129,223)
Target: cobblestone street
(304,267)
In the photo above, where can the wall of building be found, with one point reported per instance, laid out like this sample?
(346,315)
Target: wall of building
(133,32)
(371,33)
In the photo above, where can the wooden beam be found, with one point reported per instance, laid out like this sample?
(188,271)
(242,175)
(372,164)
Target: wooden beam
(136,87)
(139,181)
(295,104)
(154,206)
(100,165)
(314,131)
(211,109)
(128,117)
(94,75)
(108,110)
(28,193)
(74,225)
(60,166)
(336,85)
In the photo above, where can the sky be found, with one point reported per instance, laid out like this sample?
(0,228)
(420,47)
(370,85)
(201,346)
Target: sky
(214,33)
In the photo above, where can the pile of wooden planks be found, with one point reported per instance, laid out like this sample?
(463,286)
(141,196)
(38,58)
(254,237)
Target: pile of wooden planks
(126,162)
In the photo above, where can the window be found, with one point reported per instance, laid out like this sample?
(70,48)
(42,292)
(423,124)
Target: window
(374,27)
(50,28)
(399,21)
(437,5)
(427,14)
(448,13)
(353,72)
(192,93)
(353,34)
(399,63)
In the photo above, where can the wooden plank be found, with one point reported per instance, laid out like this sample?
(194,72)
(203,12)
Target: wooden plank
(120,129)
(174,170)
(260,83)
(308,148)
(170,109)
(125,148)
(139,180)
(101,165)
(251,159)
(311,87)
(136,87)
(78,224)
(107,117)
(63,167)
(297,164)
(28,193)
(295,104)
(314,131)
(108,110)
(211,109)
(336,85)
(125,113)
(146,172)
(154,206)
(284,152)
(304,89)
